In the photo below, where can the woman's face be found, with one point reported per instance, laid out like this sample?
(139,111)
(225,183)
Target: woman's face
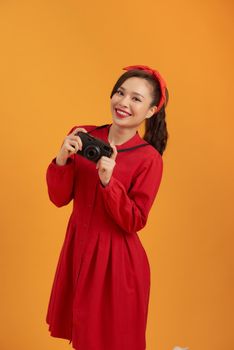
(133,97)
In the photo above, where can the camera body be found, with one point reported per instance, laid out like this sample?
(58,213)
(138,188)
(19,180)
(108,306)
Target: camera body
(93,148)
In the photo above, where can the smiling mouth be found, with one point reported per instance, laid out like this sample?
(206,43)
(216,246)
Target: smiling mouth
(121,114)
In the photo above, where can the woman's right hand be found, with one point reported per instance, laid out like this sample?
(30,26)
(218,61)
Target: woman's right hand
(71,144)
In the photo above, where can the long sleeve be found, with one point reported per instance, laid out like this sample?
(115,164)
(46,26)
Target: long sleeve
(130,210)
(60,179)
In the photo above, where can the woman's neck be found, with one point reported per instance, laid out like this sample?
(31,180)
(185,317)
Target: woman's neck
(119,135)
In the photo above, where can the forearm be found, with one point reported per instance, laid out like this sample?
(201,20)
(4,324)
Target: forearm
(130,209)
(121,207)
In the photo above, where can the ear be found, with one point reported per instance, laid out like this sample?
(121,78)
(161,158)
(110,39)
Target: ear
(152,111)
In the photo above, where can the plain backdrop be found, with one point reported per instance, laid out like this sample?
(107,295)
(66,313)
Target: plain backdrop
(58,64)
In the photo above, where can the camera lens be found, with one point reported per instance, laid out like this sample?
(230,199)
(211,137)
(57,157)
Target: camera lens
(92,152)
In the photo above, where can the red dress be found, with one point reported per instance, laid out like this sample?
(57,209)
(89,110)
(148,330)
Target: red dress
(100,294)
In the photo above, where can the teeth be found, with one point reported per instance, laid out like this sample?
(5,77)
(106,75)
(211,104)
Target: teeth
(123,113)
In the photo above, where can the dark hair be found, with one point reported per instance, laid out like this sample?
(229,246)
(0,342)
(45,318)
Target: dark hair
(155,127)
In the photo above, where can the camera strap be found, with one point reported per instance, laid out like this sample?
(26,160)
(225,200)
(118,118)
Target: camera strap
(131,148)
(124,149)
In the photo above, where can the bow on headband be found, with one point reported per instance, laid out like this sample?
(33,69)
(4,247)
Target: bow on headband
(157,76)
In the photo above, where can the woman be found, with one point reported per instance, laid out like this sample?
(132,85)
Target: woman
(100,294)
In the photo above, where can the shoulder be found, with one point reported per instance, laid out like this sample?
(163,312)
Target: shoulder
(149,161)
(148,154)
(153,152)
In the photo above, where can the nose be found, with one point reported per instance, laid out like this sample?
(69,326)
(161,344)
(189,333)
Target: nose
(124,101)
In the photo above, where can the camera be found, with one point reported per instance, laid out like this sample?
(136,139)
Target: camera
(93,148)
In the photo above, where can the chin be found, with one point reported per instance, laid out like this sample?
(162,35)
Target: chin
(119,121)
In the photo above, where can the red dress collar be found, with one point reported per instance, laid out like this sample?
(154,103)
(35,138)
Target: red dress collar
(133,141)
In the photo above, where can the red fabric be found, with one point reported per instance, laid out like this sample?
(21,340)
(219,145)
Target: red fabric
(157,77)
(100,294)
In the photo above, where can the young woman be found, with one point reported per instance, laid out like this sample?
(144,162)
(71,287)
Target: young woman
(100,294)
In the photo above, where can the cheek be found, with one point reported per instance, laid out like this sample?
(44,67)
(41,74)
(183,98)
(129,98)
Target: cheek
(144,108)
(114,100)
(111,102)
(139,108)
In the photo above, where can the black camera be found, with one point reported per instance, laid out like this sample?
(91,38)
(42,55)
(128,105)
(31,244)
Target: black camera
(93,148)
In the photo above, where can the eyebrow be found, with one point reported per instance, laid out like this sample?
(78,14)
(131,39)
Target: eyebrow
(137,93)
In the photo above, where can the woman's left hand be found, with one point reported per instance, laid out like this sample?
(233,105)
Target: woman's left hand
(106,165)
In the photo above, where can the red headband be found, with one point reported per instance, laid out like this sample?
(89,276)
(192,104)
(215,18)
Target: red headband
(157,76)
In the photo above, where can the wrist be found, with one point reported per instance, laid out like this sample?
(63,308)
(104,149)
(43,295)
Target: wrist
(107,183)
(60,161)
(104,184)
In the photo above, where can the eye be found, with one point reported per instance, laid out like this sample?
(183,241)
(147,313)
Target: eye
(137,99)
(119,91)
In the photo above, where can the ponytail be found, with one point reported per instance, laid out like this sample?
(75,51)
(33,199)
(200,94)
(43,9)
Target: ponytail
(156,130)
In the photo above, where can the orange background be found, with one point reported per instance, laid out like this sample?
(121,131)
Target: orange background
(59,61)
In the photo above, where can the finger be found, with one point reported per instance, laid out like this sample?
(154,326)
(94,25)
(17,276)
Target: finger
(78,129)
(104,159)
(71,149)
(98,164)
(74,144)
(107,160)
(104,163)
(76,139)
(107,165)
